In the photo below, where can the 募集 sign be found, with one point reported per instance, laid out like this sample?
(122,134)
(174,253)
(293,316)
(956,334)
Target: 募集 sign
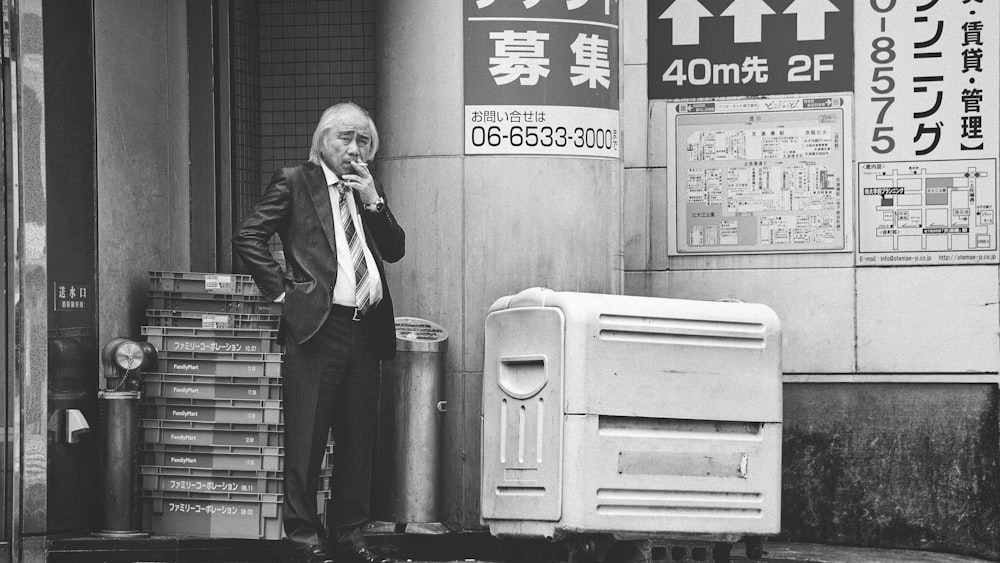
(715,48)
(542,77)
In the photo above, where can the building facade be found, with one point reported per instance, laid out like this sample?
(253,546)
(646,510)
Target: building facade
(845,175)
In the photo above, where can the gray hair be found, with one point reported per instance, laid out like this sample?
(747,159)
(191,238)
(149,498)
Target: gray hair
(329,120)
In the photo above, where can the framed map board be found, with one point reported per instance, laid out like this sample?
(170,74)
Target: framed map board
(768,175)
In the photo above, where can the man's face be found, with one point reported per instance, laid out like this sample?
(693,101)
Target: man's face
(348,141)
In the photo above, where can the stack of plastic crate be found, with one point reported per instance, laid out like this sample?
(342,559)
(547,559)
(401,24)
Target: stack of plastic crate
(212,455)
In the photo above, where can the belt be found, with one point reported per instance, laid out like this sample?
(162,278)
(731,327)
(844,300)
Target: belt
(353,313)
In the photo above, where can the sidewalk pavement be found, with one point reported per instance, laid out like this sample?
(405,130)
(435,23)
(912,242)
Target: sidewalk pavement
(463,548)
(814,553)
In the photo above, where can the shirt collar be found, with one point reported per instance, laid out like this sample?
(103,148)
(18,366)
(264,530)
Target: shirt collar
(331,176)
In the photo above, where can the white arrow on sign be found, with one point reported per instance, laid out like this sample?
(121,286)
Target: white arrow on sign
(811,18)
(686,16)
(747,16)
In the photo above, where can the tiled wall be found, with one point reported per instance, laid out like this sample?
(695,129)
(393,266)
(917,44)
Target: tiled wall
(244,30)
(290,60)
(313,54)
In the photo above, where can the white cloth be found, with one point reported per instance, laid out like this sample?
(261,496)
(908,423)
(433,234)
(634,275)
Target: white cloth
(344,291)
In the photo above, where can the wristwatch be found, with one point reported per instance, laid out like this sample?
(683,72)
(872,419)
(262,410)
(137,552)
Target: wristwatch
(376,207)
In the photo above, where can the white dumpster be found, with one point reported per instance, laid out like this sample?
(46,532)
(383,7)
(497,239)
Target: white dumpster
(630,416)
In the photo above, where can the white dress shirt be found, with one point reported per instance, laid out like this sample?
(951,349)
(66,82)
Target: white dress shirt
(345,290)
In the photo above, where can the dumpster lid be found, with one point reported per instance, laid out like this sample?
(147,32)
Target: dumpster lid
(419,335)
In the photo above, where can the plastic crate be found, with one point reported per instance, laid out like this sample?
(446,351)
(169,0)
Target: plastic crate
(214,457)
(210,387)
(240,516)
(189,480)
(218,410)
(225,340)
(232,458)
(194,282)
(174,432)
(229,365)
(200,319)
(177,479)
(211,303)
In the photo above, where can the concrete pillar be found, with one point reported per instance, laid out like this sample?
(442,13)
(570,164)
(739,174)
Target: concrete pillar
(478,227)
(143,192)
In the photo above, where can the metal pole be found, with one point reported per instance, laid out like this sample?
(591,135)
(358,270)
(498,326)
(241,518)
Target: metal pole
(121,446)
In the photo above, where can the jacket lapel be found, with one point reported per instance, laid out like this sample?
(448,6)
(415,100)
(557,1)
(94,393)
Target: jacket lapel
(321,199)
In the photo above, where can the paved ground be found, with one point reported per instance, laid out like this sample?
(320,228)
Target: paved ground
(812,553)
(466,548)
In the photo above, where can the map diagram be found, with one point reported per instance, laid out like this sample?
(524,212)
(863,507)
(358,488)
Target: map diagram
(944,210)
(757,176)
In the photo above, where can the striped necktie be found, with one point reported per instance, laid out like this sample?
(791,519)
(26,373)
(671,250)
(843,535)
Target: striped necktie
(363,289)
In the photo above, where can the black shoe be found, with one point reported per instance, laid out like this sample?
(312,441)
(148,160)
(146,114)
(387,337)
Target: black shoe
(311,554)
(362,555)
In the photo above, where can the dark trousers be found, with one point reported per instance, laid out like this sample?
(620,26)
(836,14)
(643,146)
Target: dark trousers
(330,381)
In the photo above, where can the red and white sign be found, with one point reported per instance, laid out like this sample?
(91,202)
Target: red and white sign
(542,77)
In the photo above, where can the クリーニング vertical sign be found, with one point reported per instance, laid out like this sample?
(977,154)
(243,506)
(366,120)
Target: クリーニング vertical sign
(927,131)
(542,77)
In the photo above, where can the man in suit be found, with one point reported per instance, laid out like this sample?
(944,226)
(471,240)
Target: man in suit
(337,323)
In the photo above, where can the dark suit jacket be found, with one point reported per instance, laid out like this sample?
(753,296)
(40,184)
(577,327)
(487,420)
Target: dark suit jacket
(296,205)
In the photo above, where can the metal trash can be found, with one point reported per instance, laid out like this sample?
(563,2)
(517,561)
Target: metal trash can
(406,487)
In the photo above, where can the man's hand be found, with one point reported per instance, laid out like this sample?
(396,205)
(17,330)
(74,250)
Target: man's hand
(362,182)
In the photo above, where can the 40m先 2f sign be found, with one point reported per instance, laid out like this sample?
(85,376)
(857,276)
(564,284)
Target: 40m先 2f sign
(541,78)
(711,48)
(927,131)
